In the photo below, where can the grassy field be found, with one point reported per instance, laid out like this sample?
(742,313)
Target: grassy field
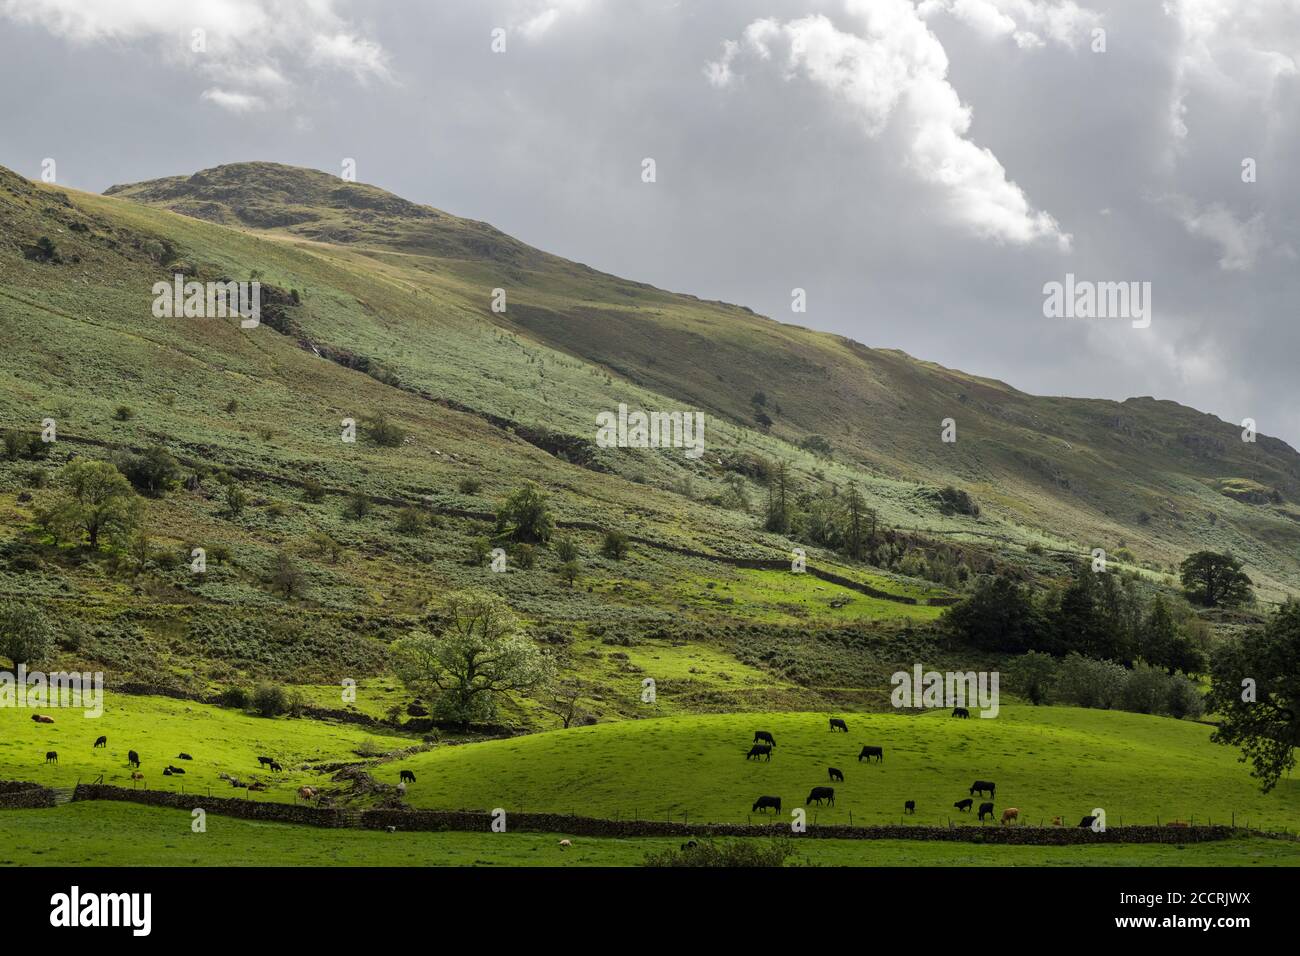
(1045,761)
(159,728)
(95,833)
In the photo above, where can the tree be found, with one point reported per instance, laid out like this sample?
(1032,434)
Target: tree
(383,432)
(614,545)
(525,515)
(269,700)
(778,501)
(153,472)
(1255,690)
(998,616)
(477,655)
(570,571)
(1215,580)
(25,633)
(1032,676)
(287,578)
(563,699)
(855,531)
(236,498)
(98,502)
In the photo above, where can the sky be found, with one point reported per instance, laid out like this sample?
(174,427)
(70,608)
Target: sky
(921,169)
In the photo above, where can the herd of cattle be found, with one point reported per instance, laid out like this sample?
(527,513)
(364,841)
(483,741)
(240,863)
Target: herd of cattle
(764,743)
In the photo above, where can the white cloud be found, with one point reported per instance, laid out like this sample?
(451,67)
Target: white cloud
(1240,241)
(535,18)
(895,70)
(254,51)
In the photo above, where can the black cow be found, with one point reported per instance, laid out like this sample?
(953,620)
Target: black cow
(759,750)
(101,742)
(133,759)
(276,767)
(406,776)
(1087,822)
(763,803)
(818,794)
(964,805)
(688,845)
(909,806)
(985,808)
(764,736)
(184,757)
(51,756)
(960,712)
(838,724)
(979,786)
(167,771)
(869,752)
(264,761)
(175,769)
(835,773)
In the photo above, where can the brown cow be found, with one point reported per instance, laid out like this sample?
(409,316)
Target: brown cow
(42,719)
(307,793)
(1010,813)
(1057,822)
(137,776)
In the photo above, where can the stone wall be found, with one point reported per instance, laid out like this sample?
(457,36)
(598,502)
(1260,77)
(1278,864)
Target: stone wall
(20,795)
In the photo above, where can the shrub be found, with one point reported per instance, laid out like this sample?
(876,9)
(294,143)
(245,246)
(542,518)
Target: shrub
(570,570)
(410,521)
(525,556)
(236,499)
(566,549)
(235,697)
(479,549)
(269,700)
(385,433)
(614,545)
(124,413)
(730,853)
(469,486)
(357,507)
(313,490)
(525,515)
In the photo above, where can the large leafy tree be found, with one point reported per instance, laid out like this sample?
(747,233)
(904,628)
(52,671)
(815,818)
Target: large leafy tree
(999,615)
(25,633)
(1215,580)
(477,654)
(525,515)
(97,502)
(1255,690)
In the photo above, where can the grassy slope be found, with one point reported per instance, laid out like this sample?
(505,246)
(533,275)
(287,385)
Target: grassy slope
(1088,470)
(1045,761)
(113,834)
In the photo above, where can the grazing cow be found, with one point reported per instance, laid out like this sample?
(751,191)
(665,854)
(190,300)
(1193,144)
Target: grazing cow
(307,793)
(1086,823)
(184,757)
(689,845)
(391,829)
(256,786)
(985,808)
(276,767)
(565,843)
(401,788)
(835,773)
(133,759)
(136,775)
(175,769)
(869,752)
(838,724)
(406,776)
(964,805)
(51,756)
(960,712)
(818,794)
(764,737)
(167,771)
(759,750)
(909,806)
(765,803)
(1057,822)
(979,786)
(42,719)
(1010,814)
(264,761)
(101,742)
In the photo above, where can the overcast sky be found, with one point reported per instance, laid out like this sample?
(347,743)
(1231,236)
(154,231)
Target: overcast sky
(920,167)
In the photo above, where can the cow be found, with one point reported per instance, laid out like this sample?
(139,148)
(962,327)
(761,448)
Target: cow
(1057,822)
(759,750)
(406,776)
(985,808)
(133,759)
(964,805)
(101,742)
(307,793)
(869,752)
(136,775)
(401,788)
(818,794)
(176,770)
(838,724)
(1010,814)
(1086,823)
(766,803)
(42,719)
(961,712)
(256,786)
(167,771)
(264,761)
(909,806)
(565,843)
(689,845)
(979,786)
(764,737)
(276,767)
(184,756)
(51,756)
(835,773)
